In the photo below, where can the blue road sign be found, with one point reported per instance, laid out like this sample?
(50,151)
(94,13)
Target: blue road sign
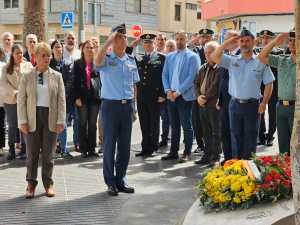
(67,20)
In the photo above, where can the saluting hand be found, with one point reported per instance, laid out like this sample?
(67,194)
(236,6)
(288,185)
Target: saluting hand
(111,38)
(281,38)
(231,41)
(135,42)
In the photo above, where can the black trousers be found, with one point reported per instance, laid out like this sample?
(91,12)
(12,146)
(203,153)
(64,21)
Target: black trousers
(149,112)
(2,127)
(211,124)
(225,133)
(272,122)
(196,122)
(88,114)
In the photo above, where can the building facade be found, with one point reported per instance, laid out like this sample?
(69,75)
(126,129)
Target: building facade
(166,16)
(255,15)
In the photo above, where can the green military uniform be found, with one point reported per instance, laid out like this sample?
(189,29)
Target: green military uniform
(286,98)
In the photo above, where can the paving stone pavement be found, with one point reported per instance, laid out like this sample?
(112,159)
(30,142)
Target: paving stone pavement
(164,192)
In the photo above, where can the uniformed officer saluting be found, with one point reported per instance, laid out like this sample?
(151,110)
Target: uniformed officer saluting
(150,94)
(286,65)
(267,139)
(246,73)
(118,77)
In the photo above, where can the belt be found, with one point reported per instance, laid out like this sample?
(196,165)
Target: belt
(286,102)
(123,101)
(244,101)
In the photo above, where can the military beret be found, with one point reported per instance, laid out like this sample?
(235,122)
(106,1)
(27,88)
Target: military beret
(148,37)
(267,33)
(292,33)
(246,33)
(206,32)
(120,29)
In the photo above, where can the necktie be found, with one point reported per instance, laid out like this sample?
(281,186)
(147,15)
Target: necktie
(147,58)
(33,61)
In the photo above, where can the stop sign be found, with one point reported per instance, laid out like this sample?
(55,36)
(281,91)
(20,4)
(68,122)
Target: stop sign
(136,30)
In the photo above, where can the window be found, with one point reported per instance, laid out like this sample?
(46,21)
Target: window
(91,14)
(199,15)
(191,6)
(11,4)
(98,14)
(177,12)
(134,6)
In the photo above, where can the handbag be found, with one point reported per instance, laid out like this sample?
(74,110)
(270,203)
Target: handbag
(96,87)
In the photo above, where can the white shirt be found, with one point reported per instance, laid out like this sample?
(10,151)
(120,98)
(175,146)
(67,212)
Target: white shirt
(42,92)
(70,57)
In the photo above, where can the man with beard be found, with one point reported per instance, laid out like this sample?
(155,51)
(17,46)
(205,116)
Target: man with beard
(268,138)
(286,66)
(150,94)
(70,54)
(246,73)
(180,70)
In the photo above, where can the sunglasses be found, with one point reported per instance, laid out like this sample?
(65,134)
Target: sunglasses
(40,79)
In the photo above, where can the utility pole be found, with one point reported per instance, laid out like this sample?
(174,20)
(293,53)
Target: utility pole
(295,145)
(81,36)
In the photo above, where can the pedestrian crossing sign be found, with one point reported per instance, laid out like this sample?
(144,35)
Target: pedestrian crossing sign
(67,20)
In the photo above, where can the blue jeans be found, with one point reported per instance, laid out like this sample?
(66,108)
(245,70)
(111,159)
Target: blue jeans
(181,115)
(244,125)
(62,139)
(117,124)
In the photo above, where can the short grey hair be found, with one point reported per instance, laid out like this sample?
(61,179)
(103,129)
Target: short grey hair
(31,36)
(231,33)
(211,44)
(5,34)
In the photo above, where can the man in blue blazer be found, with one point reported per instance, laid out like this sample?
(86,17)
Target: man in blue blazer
(180,70)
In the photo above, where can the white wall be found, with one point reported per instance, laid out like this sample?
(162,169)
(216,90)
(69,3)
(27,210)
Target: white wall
(277,24)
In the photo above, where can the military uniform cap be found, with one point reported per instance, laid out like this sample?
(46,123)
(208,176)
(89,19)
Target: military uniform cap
(267,33)
(120,29)
(148,37)
(206,32)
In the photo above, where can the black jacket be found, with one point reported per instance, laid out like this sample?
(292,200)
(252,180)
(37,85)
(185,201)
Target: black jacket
(27,57)
(80,89)
(150,86)
(200,52)
(66,71)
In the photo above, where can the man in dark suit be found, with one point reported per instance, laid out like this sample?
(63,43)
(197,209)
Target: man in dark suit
(268,138)
(150,94)
(205,36)
(29,55)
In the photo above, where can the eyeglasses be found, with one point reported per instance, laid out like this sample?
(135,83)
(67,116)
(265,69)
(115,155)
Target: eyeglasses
(40,79)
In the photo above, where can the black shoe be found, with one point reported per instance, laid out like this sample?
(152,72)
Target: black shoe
(170,157)
(11,155)
(140,154)
(84,155)
(66,155)
(125,189)
(112,191)
(93,154)
(203,161)
(163,144)
(270,142)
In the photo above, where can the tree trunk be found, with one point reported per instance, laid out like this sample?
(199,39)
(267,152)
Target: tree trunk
(295,143)
(34,19)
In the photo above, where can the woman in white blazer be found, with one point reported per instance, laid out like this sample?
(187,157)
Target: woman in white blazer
(41,116)
(12,73)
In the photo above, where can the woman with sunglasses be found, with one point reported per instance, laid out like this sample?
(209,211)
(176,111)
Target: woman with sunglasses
(41,117)
(11,76)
